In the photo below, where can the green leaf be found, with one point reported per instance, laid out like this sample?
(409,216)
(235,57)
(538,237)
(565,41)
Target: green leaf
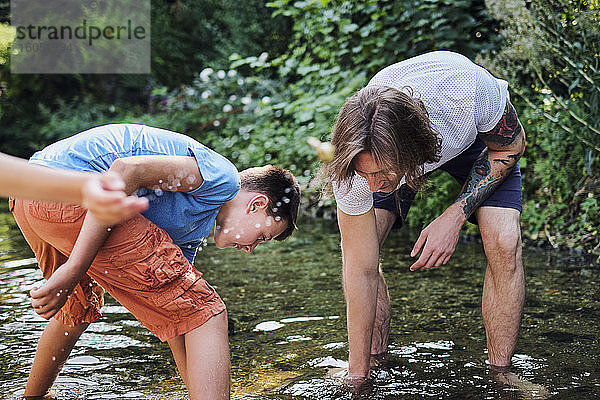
(348,28)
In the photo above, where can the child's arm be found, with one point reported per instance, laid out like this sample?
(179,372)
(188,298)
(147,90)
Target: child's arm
(50,298)
(102,194)
(173,173)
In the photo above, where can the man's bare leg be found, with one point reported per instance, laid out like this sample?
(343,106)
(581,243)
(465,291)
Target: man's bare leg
(207,360)
(53,349)
(504,284)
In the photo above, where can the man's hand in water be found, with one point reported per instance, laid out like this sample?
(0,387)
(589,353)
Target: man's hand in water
(49,299)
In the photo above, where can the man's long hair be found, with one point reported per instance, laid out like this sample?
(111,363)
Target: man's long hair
(392,126)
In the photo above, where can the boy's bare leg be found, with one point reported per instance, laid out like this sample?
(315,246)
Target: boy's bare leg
(177,345)
(53,349)
(207,360)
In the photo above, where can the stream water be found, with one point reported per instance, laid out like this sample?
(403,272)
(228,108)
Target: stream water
(287,317)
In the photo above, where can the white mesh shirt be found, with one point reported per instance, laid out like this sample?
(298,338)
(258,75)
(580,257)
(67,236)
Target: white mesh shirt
(461,99)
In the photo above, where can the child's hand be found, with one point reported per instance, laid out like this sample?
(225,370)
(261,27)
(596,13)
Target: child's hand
(50,298)
(104,196)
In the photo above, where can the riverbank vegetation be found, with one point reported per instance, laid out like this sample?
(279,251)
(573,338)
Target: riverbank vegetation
(254,79)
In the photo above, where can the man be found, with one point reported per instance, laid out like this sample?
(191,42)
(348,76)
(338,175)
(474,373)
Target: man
(437,110)
(146,262)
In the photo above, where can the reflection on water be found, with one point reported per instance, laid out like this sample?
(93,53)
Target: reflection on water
(287,315)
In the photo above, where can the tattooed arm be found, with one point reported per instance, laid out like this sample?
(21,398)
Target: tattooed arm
(505,145)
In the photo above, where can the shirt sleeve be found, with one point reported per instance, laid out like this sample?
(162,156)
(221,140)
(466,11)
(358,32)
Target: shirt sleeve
(221,180)
(354,197)
(491,97)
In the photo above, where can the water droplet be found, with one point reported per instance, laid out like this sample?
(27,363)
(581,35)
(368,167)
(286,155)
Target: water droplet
(160,181)
(57,294)
(158,192)
(66,333)
(278,204)
(237,236)
(275,209)
(257,226)
(105,271)
(287,190)
(225,230)
(278,218)
(286,200)
(108,229)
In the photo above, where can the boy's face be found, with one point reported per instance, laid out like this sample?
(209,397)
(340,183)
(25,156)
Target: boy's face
(247,225)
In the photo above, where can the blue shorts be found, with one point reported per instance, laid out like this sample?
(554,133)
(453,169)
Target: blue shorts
(508,195)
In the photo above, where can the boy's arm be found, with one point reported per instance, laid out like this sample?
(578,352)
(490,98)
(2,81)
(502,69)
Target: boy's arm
(102,194)
(172,173)
(50,298)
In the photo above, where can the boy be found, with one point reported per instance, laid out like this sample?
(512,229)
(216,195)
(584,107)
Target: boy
(146,262)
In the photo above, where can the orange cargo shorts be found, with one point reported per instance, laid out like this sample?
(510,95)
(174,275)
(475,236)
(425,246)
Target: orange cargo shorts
(139,265)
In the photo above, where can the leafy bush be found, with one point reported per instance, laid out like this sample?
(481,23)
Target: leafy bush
(335,46)
(551,53)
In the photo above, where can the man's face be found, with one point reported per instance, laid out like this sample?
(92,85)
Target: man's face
(380,179)
(248,226)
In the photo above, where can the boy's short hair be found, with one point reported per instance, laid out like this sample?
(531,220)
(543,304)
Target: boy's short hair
(282,189)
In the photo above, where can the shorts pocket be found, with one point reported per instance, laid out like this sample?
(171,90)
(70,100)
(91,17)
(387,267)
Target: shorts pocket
(55,212)
(150,261)
(187,302)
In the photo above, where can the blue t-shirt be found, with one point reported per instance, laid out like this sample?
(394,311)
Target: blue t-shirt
(187,217)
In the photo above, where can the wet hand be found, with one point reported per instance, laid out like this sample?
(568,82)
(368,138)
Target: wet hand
(49,299)
(105,197)
(438,240)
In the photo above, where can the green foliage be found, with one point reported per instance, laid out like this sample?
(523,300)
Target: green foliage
(278,80)
(552,52)
(439,192)
(333,49)
(186,36)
